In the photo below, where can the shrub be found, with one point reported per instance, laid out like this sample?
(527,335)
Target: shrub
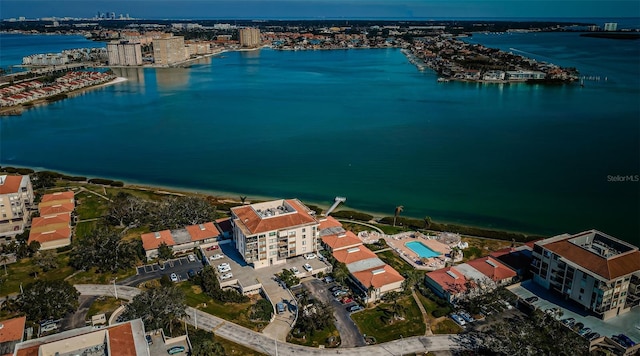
(351,214)
(117,184)
(262,310)
(73,178)
(100,181)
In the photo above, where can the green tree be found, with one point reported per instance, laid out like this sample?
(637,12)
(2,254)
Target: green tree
(43,300)
(105,250)
(126,210)
(46,260)
(160,307)
(177,212)
(165,252)
(340,272)
(427,222)
(397,212)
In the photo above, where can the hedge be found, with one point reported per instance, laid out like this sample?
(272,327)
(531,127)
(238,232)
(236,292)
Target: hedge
(351,214)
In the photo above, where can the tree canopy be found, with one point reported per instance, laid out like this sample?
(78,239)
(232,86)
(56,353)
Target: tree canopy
(159,307)
(44,300)
(104,249)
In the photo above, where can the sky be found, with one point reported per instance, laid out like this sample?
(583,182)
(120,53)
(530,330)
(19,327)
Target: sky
(318,9)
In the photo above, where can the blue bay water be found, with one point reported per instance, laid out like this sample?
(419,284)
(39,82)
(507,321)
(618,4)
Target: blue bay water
(367,125)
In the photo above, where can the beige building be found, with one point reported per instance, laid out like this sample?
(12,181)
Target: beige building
(124,53)
(249,37)
(16,196)
(169,50)
(268,233)
(591,268)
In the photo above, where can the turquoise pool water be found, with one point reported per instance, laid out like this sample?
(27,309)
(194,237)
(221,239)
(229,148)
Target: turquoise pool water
(422,250)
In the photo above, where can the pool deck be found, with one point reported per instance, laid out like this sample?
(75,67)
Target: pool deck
(398,243)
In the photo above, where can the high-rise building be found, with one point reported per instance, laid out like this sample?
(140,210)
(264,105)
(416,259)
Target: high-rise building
(169,50)
(591,268)
(16,196)
(249,37)
(124,53)
(611,26)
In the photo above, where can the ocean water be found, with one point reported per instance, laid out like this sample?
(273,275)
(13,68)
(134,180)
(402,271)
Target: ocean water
(366,124)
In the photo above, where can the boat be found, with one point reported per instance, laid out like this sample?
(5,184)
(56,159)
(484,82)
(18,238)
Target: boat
(443,80)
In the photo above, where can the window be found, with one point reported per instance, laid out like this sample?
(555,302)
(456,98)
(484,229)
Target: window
(303,229)
(273,253)
(271,247)
(273,233)
(304,236)
(304,242)
(271,241)
(304,249)
(581,290)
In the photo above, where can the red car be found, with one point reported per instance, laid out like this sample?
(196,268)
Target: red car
(346,300)
(214,247)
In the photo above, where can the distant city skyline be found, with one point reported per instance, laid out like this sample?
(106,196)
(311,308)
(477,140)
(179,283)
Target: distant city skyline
(319,9)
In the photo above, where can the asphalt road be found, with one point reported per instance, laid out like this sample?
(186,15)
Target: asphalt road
(179,266)
(77,319)
(349,333)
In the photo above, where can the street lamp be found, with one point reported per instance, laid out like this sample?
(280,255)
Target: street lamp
(115,290)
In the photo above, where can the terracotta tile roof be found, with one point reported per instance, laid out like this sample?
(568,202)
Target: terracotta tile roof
(50,222)
(29,351)
(11,184)
(354,254)
(12,329)
(48,236)
(57,209)
(492,268)
(609,269)
(378,277)
(203,231)
(55,202)
(224,225)
(152,240)
(329,222)
(445,279)
(340,241)
(58,196)
(121,340)
(254,224)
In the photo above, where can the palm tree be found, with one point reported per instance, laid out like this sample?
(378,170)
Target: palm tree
(4,258)
(399,209)
(427,222)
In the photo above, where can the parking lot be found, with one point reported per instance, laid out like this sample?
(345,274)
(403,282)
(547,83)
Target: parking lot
(622,324)
(180,266)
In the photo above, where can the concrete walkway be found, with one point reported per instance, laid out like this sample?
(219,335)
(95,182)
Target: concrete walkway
(281,325)
(425,317)
(270,346)
(362,223)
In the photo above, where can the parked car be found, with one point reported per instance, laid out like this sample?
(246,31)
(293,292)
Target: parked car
(623,340)
(191,273)
(335,288)
(584,331)
(214,247)
(346,300)
(458,319)
(191,258)
(354,308)
(217,256)
(224,265)
(568,321)
(224,269)
(176,350)
(48,327)
(295,270)
(339,293)
(309,256)
(327,279)
(174,277)
(226,276)
(466,316)
(149,341)
(531,299)
(307,267)
(592,336)
(280,307)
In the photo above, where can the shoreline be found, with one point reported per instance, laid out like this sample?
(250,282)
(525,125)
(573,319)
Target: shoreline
(229,196)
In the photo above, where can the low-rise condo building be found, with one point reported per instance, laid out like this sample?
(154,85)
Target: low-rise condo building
(16,197)
(591,268)
(268,233)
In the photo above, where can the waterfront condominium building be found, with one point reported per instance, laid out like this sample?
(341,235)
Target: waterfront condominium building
(16,197)
(591,268)
(249,37)
(268,233)
(611,26)
(124,53)
(169,50)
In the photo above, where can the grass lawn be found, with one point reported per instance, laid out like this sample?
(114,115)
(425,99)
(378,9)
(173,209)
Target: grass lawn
(395,261)
(90,206)
(102,305)
(355,228)
(481,247)
(234,312)
(390,230)
(318,338)
(372,321)
(231,348)
(84,228)
(92,277)
(446,326)
(428,304)
(24,272)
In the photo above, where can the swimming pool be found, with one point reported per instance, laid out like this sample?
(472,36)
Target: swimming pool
(422,250)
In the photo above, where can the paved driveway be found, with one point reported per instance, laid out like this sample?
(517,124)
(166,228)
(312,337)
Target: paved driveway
(349,334)
(179,266)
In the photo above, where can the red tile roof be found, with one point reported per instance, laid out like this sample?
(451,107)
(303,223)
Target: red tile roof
(43,205)
(29,351)
(254,224)
(493,269)
(448,282)
(121,340)
(43,221)
(340,241)
(48,236)
(378,276)
(354,254)
(12,329)
(11,184)
(56,209)
(609,269)
(151,242)
(203,231)
(57,196)
(329,222)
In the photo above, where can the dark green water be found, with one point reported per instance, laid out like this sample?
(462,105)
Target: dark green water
(367,125)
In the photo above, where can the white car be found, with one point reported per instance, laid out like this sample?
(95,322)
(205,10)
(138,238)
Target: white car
(224,269)
(174,277)
(191,258)
(226,276)
(217,256)
(309,256)
(295,270)
(307,267)
(224,265)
